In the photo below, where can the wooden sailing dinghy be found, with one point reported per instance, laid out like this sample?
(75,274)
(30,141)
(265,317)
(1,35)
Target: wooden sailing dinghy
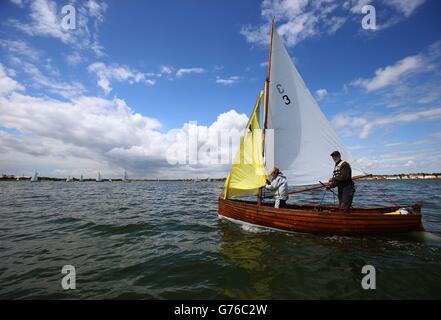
(298,139)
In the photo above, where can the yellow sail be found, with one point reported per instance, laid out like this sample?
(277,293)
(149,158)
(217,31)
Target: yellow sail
(247,173)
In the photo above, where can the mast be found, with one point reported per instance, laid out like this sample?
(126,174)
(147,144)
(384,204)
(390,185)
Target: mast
(265,108)
(267,82)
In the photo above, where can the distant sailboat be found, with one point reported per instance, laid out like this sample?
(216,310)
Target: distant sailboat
(81,178)
(35,177)
(69,179)
(98,178)
(125,178)
(110,180)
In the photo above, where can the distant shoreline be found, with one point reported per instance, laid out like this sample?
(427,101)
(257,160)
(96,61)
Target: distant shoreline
(402,176)
(405,176)
(42,178)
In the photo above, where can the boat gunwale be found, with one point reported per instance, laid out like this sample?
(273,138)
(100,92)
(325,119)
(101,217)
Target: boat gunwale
(328,211)
(321,222)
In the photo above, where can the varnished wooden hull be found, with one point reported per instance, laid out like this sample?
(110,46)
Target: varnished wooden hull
(322,219)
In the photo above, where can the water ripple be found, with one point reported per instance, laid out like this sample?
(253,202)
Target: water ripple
(162,240)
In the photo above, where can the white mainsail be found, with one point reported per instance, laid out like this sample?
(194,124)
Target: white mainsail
(81,178)
(303,138)
(125,178)
(35,177)
(98,178)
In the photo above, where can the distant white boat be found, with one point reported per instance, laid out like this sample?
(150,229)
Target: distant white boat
(18,179)
(110,180)
(69,179)
(81,178)
(98,178)
(35,177)
(125,178)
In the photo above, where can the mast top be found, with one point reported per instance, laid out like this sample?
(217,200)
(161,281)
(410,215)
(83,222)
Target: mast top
(273,23)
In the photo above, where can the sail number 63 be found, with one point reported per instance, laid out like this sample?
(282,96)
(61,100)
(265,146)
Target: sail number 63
(285,97)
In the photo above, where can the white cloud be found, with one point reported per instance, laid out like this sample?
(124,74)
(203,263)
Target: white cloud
(17,2)
(404,7)
(45,18)
(74,58)
(61,88)
(185,71)
(12,143)
(407,143)
(409,82)
(416,157)
(217,68)
(394,144)
(335,23)
(227,81)
(364,126)
(96,9)
(400,161)
(437,134)
(171,72)
(299,28)
(357,5)
(45,21)
(392,162)
(284,9)
(390,74)
(298,20)
(321,93)
(166,69)
(98,125)
(19,47)
(8,84)
(430,96)
(106,73)
(259,35)
(91,133)
(407,7)
(389,12)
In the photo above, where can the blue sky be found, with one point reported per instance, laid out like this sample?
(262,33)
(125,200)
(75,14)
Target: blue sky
(120,89)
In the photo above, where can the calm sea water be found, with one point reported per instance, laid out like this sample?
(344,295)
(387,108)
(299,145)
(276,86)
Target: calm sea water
(164,240)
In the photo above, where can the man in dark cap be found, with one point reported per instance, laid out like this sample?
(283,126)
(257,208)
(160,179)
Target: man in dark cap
(342,178)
